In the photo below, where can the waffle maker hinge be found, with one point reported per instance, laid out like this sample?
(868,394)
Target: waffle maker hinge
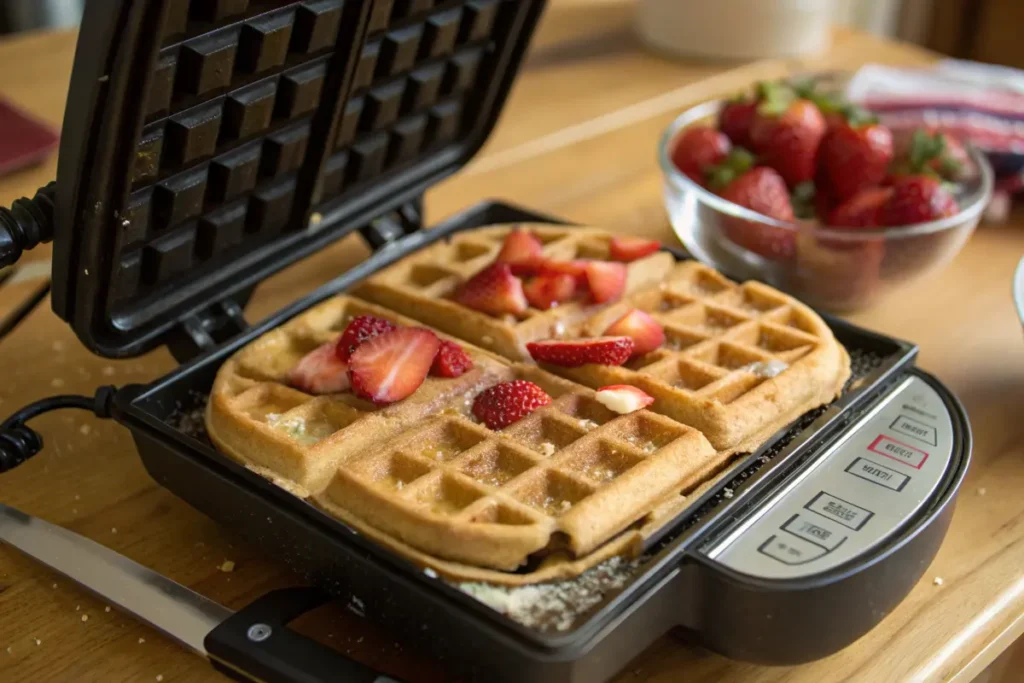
(210,327)
(405,220)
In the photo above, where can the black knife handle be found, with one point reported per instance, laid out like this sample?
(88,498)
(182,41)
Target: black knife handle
(255,644)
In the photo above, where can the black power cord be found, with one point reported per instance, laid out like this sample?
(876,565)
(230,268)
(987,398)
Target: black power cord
(19,442)
(28,223)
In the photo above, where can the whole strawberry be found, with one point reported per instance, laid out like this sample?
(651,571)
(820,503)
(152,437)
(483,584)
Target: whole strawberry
(759,189)
(862,210)
(763,190)
(855,154)
(698,149)
(917,199)
(736,118)
(786,133)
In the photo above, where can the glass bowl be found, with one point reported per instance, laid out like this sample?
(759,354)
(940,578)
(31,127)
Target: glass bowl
(839,270)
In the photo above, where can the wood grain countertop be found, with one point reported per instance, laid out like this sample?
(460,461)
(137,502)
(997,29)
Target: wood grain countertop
(577,139)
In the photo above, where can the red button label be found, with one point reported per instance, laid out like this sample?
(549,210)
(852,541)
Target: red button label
(898,451)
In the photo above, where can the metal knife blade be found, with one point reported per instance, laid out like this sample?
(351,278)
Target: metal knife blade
(169,607)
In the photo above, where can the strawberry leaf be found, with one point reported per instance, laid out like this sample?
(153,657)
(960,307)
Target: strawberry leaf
(776,98)
(858,117)
(738,162)
(806,88)
(720,177)
(925,148)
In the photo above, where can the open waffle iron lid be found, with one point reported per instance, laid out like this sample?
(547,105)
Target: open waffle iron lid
(208,144)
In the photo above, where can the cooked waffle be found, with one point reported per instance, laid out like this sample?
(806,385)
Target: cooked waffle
(557,565)
(739,361)
(571,474)
(421,285)
(571,484)
(297,440)
(714,330)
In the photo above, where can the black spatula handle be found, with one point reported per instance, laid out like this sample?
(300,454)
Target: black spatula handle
(255,644)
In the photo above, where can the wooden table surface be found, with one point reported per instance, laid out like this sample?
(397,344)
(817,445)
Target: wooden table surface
(577,139)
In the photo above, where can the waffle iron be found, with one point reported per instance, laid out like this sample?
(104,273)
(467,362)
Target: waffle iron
(210,143)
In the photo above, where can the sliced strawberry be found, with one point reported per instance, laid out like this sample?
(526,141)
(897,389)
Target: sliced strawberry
(577,269)
(623,398)
(508,402)
(494,290)
(362,328)
(546,291)
(320,372)
(392,366)
(572,354)
(451,360)
(522,252)
(606,280)
(628,249)
(646,333)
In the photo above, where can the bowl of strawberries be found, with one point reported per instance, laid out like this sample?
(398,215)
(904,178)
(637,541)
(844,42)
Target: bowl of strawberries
(794,185)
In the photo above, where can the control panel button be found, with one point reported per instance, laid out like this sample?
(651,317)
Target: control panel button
(916,410)
(899,451)
(869,470)
(816,532)
(915,429)
(790,550)
(839,510)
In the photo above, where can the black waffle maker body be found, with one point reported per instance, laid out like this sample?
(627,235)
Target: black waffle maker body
(210,143)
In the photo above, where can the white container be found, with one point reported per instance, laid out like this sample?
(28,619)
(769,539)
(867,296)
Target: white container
(737,29)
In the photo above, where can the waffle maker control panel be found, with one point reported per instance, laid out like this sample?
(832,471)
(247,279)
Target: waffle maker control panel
(852,497)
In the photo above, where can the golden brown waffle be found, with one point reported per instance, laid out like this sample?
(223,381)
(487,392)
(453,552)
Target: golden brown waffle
(297,440)
(739,361)
(556,565)
(714,328)
(420,285)
(568,486)
(571,474)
